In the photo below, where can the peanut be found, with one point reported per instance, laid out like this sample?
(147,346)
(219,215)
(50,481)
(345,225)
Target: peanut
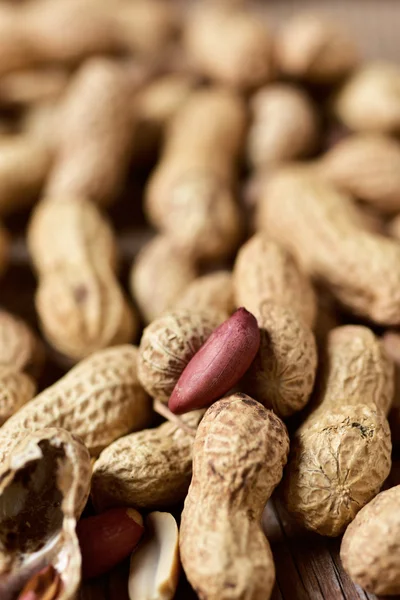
(218,365)
(167,346)
(285,125)
(325,232)
(230,46)
(265,271)
(239,454)
(282,375)
(20,185)
(369,100)
(315,49)
(106,539)
(44,487)
(341,454)
(148,469)
(209,292)
(159,275)
(44,585)
(154,568)
(100,399)
(80,303)
(370,547)
(31,86)
(189,195)
(154,108)
(96,134)
(19,346)
(367,166)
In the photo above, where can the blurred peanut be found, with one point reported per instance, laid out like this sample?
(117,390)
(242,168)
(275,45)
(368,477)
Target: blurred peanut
(209,292)
(81,305)
(190,195)
(159,275)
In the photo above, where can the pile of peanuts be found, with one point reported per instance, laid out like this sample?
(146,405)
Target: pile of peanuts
(266,301)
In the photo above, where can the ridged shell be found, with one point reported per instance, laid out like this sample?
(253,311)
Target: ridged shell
(20,348)
(370,549)
(148,469)
(100,399)
(325,232)
(16,389)
(282,375)
(264,270)
(336,466)
(239,454)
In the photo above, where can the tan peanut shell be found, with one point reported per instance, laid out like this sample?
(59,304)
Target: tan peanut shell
(314,48)
(325,232)
(370,550)
(367,166)
(44,486)
(264,270)
(337,465)
(190,195)
(229,45)
(99,400)
(168,344)
(20,348)
(96,132)
(50,32)
(282,375)
(159,275)
(148,469)
(16,389)
(369,99)
(355,369)
(238,457)
(30,86)
(153,108)
(209,292)
(25,162)
(284,125)
(81,305)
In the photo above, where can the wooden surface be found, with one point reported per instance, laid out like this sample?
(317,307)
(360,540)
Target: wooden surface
(307,566)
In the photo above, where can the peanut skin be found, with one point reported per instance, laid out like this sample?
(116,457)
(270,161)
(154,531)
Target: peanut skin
(325,232)
(218,365)
(149,469)
(79,300)
(190,194)
(370,550)
(99,400)
(239,454)
(167,346)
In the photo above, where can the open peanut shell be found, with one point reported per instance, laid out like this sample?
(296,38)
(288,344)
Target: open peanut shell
(44,485)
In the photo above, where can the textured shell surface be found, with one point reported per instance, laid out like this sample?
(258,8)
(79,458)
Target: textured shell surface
(336,466)
(356,370)
(212,291)
(16,389)
(19,347)
(264,270)
(148,469)
(327,234)
(239,454)
(370,550)
(168,344)
(44,485)
(100,399)
(283,373)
